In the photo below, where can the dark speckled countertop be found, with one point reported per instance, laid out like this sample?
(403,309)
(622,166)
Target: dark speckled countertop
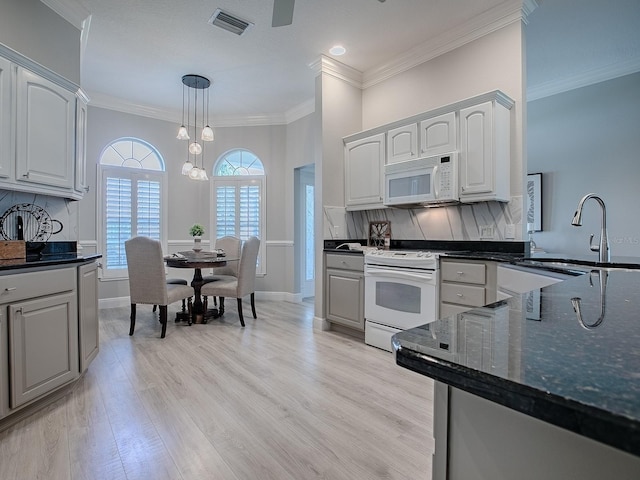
(544,362)
(48,254)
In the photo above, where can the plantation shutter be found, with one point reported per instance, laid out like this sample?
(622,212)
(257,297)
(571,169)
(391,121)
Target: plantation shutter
(118,220)
(225,211)
(148,211)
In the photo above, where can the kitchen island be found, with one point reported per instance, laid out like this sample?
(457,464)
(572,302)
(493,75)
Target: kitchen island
(545,384)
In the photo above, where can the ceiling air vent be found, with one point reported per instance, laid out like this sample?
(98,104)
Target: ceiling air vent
(229,22)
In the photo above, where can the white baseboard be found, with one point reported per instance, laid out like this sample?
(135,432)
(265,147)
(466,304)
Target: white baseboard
(117,302)
(321,324)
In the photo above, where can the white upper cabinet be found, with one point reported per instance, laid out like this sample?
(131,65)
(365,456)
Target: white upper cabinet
(364,163)
(484,153)
(45,146)
(5,119)
(438,135)
(80,185)
(402,143)
(42,130)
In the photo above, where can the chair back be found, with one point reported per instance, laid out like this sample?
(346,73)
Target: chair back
(247,267)
(232,247)
(145,265)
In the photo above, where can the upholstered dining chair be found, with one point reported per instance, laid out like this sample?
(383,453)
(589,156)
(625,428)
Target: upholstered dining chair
(240,286)
(147,279)
(232,248)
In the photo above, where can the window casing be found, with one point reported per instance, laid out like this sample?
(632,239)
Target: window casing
(238,195)
(132,200)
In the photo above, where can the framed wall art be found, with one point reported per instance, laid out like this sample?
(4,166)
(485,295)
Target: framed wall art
(534,202)
(379,234)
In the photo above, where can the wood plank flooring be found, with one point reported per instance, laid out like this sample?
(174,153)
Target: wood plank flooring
(275,400)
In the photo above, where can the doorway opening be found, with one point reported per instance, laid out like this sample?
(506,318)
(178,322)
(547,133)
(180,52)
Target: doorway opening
(304,243)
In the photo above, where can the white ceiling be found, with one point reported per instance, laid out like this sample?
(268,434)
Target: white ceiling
(137,51)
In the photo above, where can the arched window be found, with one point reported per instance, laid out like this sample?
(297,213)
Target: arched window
(131,199)
(238,193)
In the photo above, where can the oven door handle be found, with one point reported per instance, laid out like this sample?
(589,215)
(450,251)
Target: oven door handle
(404,275)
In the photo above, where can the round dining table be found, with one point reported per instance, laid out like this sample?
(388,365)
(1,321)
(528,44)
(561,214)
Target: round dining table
(197,261)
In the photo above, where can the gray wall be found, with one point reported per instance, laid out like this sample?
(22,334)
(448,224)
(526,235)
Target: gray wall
(37,32)
(189,201)
(588,140)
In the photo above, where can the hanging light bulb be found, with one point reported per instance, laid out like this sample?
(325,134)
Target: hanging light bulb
(187,167)
(207,134)
(195,148)
(194,174)
(182,133)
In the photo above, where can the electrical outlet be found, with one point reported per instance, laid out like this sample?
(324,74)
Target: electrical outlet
(509,231)
(486,232)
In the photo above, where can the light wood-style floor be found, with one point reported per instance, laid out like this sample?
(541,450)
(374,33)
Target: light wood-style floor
(275,400)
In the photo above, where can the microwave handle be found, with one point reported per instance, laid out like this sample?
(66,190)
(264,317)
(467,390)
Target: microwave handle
(436,182)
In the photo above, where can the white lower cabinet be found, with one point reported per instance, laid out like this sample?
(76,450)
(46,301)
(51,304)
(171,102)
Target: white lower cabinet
(344,290)
(88,327)
(48,331)
(43,342)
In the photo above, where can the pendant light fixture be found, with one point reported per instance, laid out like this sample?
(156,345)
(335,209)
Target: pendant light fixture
(191,85)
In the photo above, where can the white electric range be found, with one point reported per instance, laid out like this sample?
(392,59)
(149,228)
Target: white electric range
(400,292)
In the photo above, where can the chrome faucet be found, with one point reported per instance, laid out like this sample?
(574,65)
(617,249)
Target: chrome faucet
(603,247)
(603,276)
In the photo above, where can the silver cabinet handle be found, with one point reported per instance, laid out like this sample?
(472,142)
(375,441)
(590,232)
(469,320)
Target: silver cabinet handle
(86,189)
(460,273)
(460,295)
(10,289)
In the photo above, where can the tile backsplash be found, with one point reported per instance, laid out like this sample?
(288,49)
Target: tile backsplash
(63,210)
(478,221)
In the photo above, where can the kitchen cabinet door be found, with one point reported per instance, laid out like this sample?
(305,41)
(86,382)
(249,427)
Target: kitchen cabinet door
(43,345)
(80,183)
(402,143)
(344,290)
(6,127)
(438,135)
(4,363)
(88,326)
(364,163)
(45,149)
(484,153)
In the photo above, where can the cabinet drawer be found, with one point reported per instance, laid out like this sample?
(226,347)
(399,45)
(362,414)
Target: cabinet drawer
(463,294)
(464,272)
(346,261)
(20,286)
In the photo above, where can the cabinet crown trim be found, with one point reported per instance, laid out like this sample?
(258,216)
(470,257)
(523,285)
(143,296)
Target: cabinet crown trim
(492,96)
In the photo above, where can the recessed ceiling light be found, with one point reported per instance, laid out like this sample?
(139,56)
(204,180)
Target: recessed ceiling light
(337,50)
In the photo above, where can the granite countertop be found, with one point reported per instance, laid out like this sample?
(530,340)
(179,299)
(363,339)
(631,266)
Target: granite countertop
(41,254)
(33,261)
(543,361)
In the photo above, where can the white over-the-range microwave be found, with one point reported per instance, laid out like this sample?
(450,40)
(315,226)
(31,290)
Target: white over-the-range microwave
(424,181)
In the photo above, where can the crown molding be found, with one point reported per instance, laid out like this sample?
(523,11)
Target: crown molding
(583,79)
(70,10)
(337,69)
(528,6)
(487,22)
(300,111)
(112,103)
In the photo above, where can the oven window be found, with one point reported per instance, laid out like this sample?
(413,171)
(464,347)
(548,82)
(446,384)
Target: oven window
(398,296)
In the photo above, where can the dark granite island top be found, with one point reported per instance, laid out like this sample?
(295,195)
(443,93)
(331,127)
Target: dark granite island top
(580,376)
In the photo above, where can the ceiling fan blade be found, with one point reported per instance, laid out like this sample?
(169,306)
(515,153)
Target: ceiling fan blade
(282,13)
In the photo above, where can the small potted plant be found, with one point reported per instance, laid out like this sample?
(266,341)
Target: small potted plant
(196,231)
